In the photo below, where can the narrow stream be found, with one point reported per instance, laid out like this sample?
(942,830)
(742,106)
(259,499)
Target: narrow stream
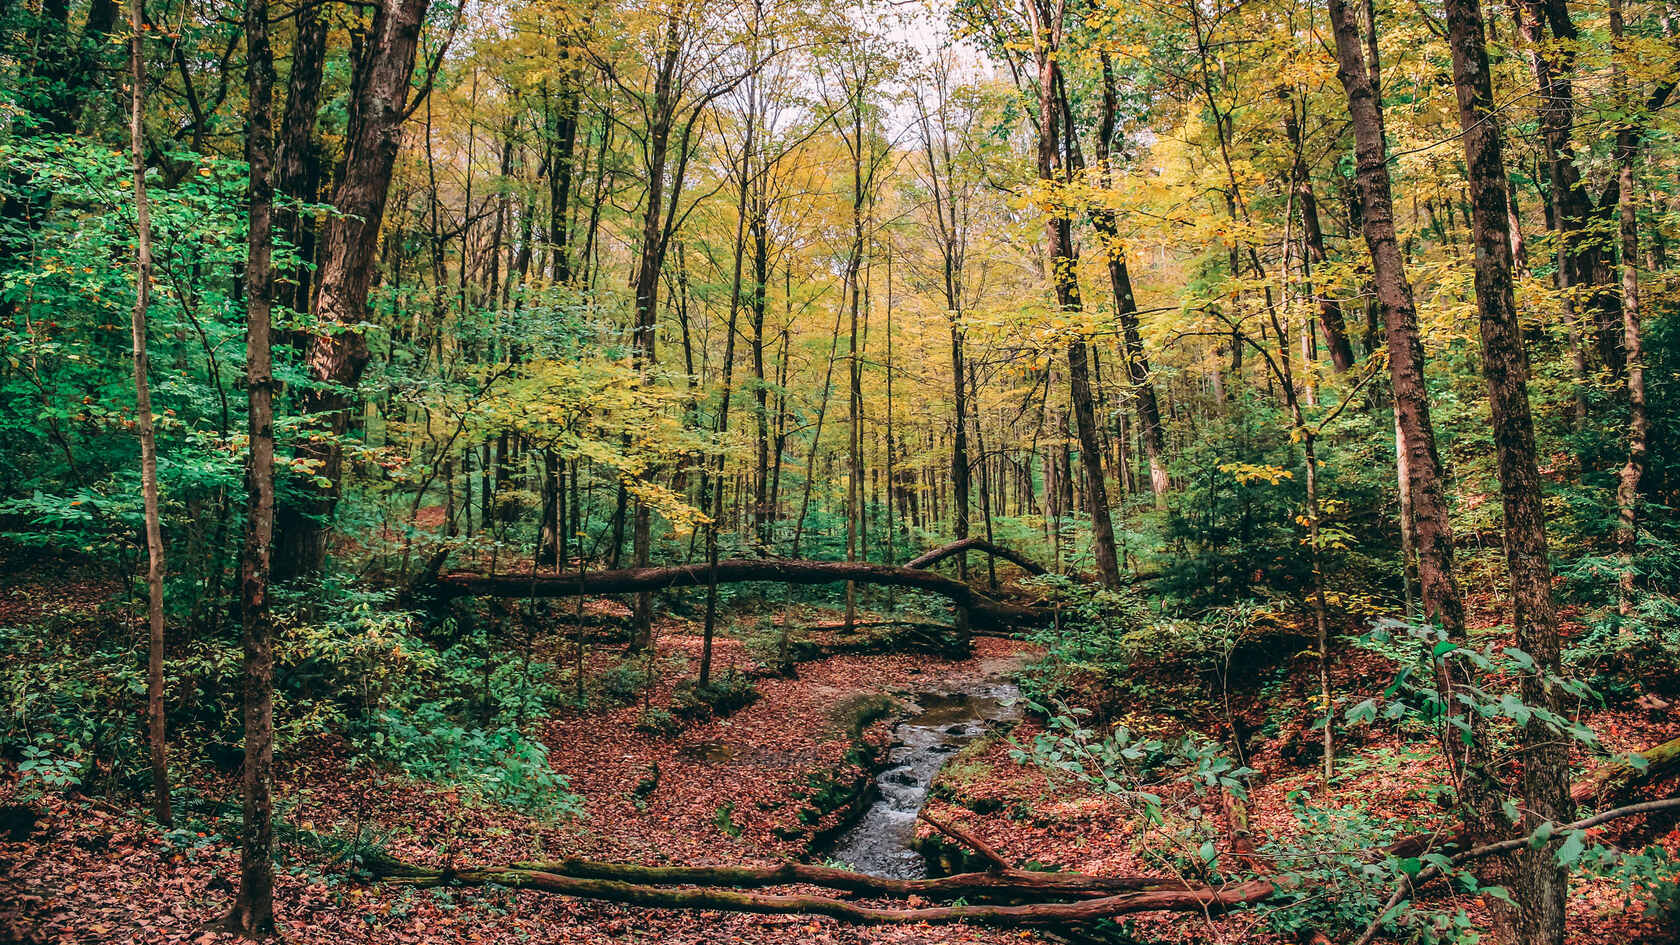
(881,841)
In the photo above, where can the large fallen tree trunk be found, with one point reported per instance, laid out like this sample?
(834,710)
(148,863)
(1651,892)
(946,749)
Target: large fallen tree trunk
(1612,781)
(1193,899)
(984,612)
(1005,885)
(700,887)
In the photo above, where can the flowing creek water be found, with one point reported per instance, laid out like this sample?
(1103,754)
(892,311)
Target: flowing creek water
(882,841)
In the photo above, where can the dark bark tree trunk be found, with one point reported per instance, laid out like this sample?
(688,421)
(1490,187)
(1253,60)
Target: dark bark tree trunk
(252,914)
(1330,318)
(759,225)
(959,444)
(1584,266)
(950,230)
(1541,886)
(656,226)
(856,134)
(561,170)
(1125,307)
(1064,277)
(1426,478)
(297,162)
(338,354)
(744,172)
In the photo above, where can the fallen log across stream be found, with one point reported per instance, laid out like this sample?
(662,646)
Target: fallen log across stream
(997,885)
(1140,895)
(985,612)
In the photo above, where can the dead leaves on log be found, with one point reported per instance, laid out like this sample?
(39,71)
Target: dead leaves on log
(722,888)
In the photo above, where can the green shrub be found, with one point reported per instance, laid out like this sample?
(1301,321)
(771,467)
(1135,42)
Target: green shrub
(625,681)
(348,664)
(658,722)
(718,697)
(497,765)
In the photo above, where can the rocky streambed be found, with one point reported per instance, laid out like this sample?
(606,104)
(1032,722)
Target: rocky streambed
(882,839)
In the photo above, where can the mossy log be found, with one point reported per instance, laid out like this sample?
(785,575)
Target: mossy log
(1612,781)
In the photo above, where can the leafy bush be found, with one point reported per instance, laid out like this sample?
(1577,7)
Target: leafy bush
(497,765)
(348,665)
(658,722)
(68,705)
(1090,645)
(1236,529)
(722,695)
(624,681)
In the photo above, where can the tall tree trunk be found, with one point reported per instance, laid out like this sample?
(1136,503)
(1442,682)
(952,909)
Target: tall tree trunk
(816,436)
(252,914)
(984,480)
(1627,486)
(1125,307)
(1312,236)
(143,416)
(891,454)
(1064,276)
(745,172)
(1320,608)
(650,263)
(296,159)
(561,168)
(1425,523)
(1408,543)
(1432,526)
(854,285)
(758,305)
(1584,271)
(959,453)
(338,353)
(1541,886)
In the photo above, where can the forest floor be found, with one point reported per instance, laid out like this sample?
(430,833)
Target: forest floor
(739,790)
